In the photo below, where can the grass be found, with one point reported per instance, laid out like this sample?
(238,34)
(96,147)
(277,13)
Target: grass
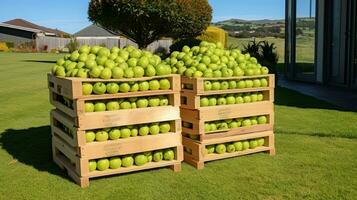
(307,166)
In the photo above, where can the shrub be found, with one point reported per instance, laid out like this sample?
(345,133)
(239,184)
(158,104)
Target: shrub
(3,47)
(72,45)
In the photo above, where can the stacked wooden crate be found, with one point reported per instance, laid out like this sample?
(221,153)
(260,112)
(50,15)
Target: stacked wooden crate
(194,117)
(70,122)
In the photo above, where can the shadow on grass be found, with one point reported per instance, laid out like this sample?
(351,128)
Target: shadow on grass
(287,97)
(39,61)
(32,147)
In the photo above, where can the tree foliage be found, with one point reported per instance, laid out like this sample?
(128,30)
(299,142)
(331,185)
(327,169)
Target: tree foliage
(145,21)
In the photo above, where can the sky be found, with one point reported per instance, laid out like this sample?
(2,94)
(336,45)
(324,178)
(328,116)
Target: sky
(71,15)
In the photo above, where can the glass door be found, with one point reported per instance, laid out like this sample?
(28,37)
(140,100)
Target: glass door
(305,33)
(300,39)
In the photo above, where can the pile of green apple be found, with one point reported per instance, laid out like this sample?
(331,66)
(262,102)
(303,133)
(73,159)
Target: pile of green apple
(127,131)
(235,84)
(212,60)
(126,103)
(123,87)
(116,63)
(139,159)
(234,146)
(229,99)
(235,123)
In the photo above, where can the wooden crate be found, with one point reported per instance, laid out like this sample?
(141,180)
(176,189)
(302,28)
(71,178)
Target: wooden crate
(197,158)
(197,84)
(78,168)
(71,88)
(78,106)
(190,100)
(75,136)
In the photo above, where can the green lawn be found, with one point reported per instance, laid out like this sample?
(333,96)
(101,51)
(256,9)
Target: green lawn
(316,152)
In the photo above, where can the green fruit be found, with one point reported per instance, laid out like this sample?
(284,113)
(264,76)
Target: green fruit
(87,88)
(154,129)
(232,84)
(212,101)
(164,84)
(125,105)
(112,105)
(106,73)
(99,88)
(92,165)
(89,107)
(165,127)
(114,134)
(253,144)
(140,159)
(124,87)
(154,101)
(169,154)
(142,103)
(158,156)
(256,83)
(238,146)
(207,85)
(125,132)
(261,142)
(144,130)
(117,72)
(204,101)
(150,71)
(230,148)
(144,86)
(112,88)
(154,85)
(127,161)
(216,85)
(114,163)
(101,136)
(246,122)
(99,107)
(220,148)
(148,156)
(138,72)
(245,145)
(134,132)
(210,149)
(90,136)
(95,72)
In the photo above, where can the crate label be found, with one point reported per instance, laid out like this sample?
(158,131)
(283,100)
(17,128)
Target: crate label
(225,112)
(110,149)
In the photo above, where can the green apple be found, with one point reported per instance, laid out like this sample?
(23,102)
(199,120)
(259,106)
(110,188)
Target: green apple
(210,149)
(230,99)
(95,72)
(221,101)
(224,85)
(254,97)
(253,144)
(74,56)
(256,83)
(114,163)
(138,72)
(84,49)
(207,127)
(239,100)
(90,136)
(112,88)
(87,88)
(112,105)
(125,132)
(99,88)
(150,71)
(253,121)
(144,130)
(233,124)
(164,84)
(247,99)
(169,154)
(158,156)
(125,105)
(88,107)
(154,101)
(264,70)
(249,83)
(154,129)
(142,103)
(101,136)
(232,84)
(245,145)
(117,72)
(127,161)
(204,101)
(124,87)
(264,82)
(144,86)
(261,142)
(129,73)
(134,132)
(99,107)
(262,120)
(109,64)
(90,64)
(216,85)
(217,73)
(212,101)
(230,148)
(241,84)
(154,85)
(106,73)
(238,146)
(220,148)
(92,165)
(246,122)
(222,126)
(207,85)
(60,62)
(82,73)
(140,159)
(164,101)
(165,127)
(114,134)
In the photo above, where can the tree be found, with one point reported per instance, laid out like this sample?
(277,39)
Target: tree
(146,21)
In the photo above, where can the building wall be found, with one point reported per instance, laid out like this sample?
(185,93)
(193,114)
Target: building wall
(15,36)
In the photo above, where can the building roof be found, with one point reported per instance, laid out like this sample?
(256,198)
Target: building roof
(31,26)
(94,31)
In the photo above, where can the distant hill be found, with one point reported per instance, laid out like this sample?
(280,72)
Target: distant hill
(242,21)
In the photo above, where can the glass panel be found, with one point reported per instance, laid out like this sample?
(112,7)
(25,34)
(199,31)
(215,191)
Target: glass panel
(305,37)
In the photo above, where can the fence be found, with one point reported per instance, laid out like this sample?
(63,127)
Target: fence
(48,43)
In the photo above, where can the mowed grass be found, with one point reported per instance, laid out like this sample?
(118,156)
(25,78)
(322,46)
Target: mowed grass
(306,166)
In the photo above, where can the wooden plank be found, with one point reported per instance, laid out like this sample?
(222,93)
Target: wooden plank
(71,87)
